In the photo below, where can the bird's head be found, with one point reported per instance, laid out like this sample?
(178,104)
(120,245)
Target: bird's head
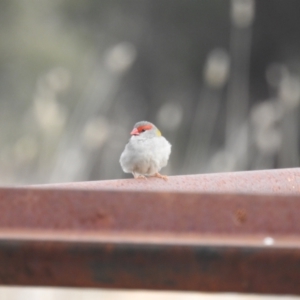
(145,129)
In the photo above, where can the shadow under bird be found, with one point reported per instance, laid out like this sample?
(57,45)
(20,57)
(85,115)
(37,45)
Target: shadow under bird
(146,152)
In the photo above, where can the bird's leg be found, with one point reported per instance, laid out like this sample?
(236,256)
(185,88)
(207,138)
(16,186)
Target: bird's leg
(160,176)
(137,176)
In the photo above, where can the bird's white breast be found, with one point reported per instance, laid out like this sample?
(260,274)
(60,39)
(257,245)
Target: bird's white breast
(145,156)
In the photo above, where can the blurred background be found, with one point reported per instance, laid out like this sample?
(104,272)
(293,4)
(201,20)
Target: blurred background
(220,79)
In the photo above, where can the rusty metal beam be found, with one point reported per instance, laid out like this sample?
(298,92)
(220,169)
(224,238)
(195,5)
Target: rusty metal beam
(281,181)
(145,264)
(87,235)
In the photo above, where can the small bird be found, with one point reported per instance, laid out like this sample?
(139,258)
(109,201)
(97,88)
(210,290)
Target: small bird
(146,152)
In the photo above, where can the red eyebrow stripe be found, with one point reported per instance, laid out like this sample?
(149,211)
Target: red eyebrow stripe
(144,127)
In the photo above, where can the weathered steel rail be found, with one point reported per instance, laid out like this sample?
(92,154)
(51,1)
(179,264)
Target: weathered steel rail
(237,232)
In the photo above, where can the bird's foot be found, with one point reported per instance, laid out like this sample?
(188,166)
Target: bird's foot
(161,176)
(139,176)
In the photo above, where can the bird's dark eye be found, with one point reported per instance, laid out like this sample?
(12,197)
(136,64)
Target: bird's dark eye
(143,130)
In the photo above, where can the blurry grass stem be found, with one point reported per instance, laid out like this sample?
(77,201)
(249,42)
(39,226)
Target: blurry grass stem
(242,15)
(289,98)
(199,147)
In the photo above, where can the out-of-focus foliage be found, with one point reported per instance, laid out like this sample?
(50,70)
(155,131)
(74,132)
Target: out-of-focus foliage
(220,79)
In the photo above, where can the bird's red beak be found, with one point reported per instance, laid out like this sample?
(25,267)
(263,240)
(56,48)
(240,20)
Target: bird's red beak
(134,132)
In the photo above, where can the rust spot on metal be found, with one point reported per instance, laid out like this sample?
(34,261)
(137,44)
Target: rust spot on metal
(96,219)
(240,216)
